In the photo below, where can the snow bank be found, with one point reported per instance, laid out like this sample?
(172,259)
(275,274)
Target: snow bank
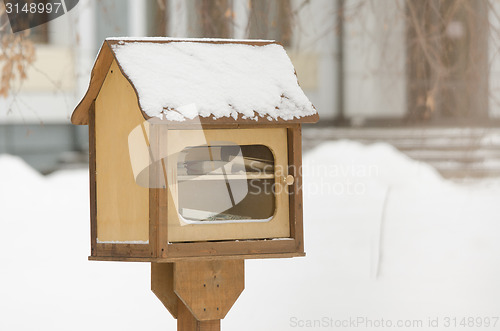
(378,162)
(216,80)
(16,171)
(430,252)
(433,250)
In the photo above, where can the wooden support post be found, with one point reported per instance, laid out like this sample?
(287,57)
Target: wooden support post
(187,322)
(162,285)
(198,293)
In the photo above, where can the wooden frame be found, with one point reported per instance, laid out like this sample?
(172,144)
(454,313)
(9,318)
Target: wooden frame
(154,224)
(198,196)
(160,250)
(105,249)
(273,138)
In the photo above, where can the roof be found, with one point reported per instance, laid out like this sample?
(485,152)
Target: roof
(219,80)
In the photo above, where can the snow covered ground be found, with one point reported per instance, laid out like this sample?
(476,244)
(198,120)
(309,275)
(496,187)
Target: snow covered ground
(387,241)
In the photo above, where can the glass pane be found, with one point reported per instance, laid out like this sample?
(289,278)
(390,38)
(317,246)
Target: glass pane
(226,183)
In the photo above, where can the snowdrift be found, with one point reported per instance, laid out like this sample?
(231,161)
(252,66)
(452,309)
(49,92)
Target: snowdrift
(386,237)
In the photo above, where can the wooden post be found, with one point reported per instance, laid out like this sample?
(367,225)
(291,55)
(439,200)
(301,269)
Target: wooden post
(187,322)
(198,293)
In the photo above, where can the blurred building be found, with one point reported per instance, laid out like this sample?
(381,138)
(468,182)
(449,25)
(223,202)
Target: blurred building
(361,62)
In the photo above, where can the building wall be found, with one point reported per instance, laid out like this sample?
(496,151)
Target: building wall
(35,118)
(314,54)
(374,52)
(494,60)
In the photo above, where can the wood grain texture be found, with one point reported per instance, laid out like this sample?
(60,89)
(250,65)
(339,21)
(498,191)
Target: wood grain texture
(248,249)
(243,247)
(208,325)
(295,191)
(154,196)
(194,258)
(187,322)
(122,250)
(160,134)
(162,285)
(122,205)
(209,288)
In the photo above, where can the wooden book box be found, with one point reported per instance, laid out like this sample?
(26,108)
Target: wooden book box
(195,150)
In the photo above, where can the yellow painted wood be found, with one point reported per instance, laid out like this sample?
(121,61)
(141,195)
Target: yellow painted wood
(278,227)
(122,205)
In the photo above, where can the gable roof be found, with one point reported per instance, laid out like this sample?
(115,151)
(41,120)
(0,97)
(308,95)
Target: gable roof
(219,80)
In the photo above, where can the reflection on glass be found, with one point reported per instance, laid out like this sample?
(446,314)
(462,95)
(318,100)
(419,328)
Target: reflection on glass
(225,183)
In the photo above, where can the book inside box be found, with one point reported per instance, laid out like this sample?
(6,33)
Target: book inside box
(226,183)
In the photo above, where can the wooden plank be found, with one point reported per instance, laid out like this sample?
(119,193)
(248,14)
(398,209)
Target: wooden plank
(122,205)
(247,249)
(163,246)
(244,247)
(295,190)
(209,288)
(292,170)
(122,250)
(93,182)
(163,194)
(298,203)
(162,285)
(104,59)
(208,325)
(154,197)
(195,258)
(187,322)
(158,195)
(153,221)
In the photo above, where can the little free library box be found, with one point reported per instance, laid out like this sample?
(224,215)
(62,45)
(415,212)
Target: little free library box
(195,150)
(195,164)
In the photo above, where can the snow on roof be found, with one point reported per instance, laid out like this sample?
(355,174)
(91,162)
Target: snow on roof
(183,79)
(163,39)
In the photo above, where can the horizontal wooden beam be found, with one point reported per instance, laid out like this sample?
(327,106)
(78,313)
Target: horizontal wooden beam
(196,258)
